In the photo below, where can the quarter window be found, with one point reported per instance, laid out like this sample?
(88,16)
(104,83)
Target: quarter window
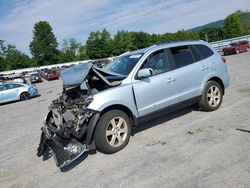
(195,53)
(204,51)
(182,56)
(158,62)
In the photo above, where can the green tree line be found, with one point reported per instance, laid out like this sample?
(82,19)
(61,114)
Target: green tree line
(45,49)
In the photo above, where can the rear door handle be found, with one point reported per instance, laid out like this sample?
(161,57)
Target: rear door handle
(170,80)
(204,68)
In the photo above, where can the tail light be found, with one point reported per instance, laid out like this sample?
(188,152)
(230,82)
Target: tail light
(223,59)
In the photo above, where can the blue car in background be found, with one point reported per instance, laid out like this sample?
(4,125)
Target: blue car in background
(16,91)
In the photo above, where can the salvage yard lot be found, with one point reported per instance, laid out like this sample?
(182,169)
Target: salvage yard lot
(188,148)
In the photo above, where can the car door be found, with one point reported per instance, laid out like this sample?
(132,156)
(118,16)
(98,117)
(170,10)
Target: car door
(189,72)
(155,92)
(3,97)
(12,92)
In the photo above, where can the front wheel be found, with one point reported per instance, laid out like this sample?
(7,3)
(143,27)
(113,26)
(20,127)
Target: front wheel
(25,96)
(212,96)
(112,131)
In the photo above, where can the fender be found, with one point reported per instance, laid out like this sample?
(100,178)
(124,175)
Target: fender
(91,129)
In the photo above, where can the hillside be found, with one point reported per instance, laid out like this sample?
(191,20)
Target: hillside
(244,19)
(215,24)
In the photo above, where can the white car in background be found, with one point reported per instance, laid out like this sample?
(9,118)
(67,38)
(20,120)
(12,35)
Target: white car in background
(16,91)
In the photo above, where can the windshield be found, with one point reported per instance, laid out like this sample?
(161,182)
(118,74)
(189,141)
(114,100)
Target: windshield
(124,64)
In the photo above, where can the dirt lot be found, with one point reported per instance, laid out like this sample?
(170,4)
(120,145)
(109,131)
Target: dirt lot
(188,148)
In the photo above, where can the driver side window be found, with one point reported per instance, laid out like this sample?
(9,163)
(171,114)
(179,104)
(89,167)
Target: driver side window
(157,61)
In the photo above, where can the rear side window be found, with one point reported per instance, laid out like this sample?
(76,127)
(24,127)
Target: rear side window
(182,56)
(204,51)
(13,86)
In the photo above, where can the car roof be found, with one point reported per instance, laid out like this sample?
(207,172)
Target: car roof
(164,45)
(23,84)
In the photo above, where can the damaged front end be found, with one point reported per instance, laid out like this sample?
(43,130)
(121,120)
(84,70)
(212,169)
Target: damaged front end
(69,126)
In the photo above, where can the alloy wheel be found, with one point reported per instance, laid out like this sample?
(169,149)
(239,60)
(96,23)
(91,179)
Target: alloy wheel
(116,132)
(213,96)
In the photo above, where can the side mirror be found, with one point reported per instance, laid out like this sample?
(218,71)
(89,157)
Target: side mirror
(145,73)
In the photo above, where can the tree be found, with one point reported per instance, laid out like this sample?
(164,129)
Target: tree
(70,51)
(99,44)
(11,58)
(2,64)
(16,60)
(232,26)
(211,34)
(180,35)
(140,40)
(122,42)
(44,45)
(167,37)
(83,53)
(193,36)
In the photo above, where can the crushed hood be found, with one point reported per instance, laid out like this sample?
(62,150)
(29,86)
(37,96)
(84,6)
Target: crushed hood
(76,74)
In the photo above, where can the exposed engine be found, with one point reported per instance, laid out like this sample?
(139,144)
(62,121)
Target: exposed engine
(69,114)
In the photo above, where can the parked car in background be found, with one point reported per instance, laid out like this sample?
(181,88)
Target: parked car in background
(99,106)
(245,42)
(53,75)
(16,91)
(235,48)
(18,80)
(35,78)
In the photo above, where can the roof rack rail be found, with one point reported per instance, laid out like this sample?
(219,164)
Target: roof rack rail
(124,53)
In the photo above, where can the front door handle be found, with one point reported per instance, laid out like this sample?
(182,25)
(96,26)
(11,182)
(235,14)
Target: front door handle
(204,68)
(170,80)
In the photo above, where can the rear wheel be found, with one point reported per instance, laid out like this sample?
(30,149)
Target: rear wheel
(212,96)
(112,131)
(25,96)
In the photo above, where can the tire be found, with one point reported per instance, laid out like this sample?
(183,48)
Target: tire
(112,132)
(25,96)
(212,96)
(237,51)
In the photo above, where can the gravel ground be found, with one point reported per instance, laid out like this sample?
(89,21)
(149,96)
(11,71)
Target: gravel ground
(188,148)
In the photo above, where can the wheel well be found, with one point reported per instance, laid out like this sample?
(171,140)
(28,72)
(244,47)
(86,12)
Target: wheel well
(23,93)
(219,81)
(122,108)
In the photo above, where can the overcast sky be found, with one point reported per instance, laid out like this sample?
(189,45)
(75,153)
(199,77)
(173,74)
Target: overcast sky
(77,18)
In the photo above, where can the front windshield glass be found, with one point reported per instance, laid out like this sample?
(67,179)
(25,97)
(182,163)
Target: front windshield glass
(124,64)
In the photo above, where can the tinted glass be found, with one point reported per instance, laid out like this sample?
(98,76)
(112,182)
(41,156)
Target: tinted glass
(195,53)
(204,51)
(12,86)
(182,56)
(158,62)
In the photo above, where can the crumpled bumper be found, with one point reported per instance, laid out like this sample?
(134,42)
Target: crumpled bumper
(64,151)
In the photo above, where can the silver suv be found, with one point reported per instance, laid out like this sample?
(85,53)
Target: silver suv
(99,107)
